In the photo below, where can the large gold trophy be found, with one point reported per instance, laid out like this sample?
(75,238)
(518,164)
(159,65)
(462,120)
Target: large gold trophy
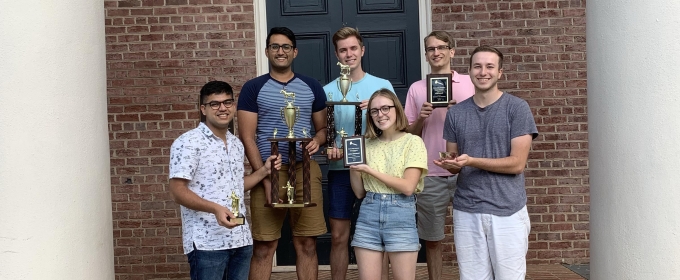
(290,115)
(344,84)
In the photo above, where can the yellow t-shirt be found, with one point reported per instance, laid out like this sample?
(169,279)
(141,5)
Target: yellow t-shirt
(392,158)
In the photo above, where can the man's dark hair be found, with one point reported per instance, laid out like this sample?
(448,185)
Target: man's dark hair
(282,31)
(215,87)
(490,49)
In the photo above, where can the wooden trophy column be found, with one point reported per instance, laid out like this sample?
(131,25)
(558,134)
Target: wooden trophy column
(292,180)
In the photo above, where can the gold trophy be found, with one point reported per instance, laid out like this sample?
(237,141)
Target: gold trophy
(290,114)
(235,205)
(344,82)
(290,192)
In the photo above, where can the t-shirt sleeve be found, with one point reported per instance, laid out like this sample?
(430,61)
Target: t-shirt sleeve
(183,159)
(247,100)
(411,108)
(319,94)
(416,155)
(449,131)
(522,122)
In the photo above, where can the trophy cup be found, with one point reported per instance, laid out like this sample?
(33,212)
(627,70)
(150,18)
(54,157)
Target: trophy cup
(344,86)
(290,115)
(235,205)
(344,82)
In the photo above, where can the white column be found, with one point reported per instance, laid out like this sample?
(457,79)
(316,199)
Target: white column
(55,194)
(634,137)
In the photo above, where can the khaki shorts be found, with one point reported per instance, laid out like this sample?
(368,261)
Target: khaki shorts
(432,206)
(266,222)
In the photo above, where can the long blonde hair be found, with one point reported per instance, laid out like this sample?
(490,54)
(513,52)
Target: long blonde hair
(401,123)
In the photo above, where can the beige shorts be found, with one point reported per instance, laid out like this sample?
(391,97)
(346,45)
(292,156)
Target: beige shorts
(266,222)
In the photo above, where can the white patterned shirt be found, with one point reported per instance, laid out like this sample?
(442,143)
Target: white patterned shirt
(214,171)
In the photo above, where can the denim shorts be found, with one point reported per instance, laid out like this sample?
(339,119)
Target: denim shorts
(387,222)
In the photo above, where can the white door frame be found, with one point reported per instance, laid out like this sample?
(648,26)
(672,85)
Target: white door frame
(260,14)
(260,10)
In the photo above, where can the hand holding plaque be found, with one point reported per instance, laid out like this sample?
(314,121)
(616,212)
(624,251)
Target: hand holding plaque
(354,149)
(438,89)
(235,205)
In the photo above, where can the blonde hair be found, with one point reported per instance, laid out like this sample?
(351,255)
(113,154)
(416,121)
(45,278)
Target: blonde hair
(346,32)
(401,122)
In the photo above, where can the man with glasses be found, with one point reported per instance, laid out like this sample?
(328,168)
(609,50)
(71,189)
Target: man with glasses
(206,172)
(259,108)
(349,49)
(428,122)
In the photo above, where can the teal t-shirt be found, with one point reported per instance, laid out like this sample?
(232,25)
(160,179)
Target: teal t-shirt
(344,114)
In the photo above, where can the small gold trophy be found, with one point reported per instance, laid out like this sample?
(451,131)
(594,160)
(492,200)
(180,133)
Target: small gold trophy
(235,205)
(342,133)
(290,192)
(290,113)
(344,82)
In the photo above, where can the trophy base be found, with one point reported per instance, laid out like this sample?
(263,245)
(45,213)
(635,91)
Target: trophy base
(290,205)
(343,103)
(240,220)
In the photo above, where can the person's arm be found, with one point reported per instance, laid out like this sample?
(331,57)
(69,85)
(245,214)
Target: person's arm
(181,194)
(513,164)
(357,183)
(406,185)
(319,121)
(251,180)
(247,126)
(416,128)
(416,113)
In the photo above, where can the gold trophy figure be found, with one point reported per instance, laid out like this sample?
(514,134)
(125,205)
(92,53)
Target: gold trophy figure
(305,133)
(290,114)
(342,133)
(290,192)
(330,96)
(235,205)
(344,82)
(275,132)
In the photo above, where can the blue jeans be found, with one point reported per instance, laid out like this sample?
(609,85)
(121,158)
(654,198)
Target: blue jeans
(232,264)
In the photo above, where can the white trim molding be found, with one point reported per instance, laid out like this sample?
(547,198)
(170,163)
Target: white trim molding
(260,13)
(425,25)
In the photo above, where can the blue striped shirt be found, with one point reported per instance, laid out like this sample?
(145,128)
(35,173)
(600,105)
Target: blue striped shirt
(262,95)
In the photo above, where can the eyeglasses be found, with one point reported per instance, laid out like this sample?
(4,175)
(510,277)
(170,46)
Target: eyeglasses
(383,109)
(440,48)
(215,105)
(275,47)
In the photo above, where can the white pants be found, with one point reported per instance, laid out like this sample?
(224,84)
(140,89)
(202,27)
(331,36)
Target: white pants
(491,247)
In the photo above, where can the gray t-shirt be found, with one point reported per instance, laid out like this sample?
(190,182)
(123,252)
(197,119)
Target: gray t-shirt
(486,133)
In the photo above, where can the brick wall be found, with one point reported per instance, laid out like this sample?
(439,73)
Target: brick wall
(545,63)
(160,52)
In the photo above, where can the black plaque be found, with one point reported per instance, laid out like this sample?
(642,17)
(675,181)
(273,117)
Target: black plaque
(438,89)
(354,150)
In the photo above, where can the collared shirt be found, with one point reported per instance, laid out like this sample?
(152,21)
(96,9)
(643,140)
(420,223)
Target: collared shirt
(214,170)
(433,127)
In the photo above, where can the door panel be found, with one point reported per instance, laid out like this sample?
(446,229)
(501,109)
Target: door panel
(314,46)
(391,36)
